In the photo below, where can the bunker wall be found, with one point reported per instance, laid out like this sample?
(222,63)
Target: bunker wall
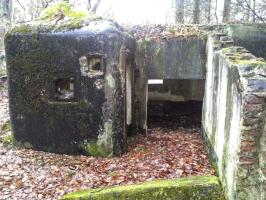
(233,119)
(175,58)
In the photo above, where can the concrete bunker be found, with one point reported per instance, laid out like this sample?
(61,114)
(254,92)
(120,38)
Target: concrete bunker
(67,87)
(87,88)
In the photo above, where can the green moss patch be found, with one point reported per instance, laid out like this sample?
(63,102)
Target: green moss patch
(6,127)
(194,187)
(95,149)
(242,57)
(61,9)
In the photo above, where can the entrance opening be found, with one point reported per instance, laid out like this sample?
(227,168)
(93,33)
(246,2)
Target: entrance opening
(175,104)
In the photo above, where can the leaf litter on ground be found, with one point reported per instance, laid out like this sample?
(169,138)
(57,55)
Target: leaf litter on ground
(172,148)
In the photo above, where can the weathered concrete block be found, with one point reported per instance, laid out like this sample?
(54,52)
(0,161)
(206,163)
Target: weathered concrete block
(67,88)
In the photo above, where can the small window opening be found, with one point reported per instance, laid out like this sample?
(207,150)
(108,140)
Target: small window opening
(91,64)
(95,62)
(64,89)
(155,81)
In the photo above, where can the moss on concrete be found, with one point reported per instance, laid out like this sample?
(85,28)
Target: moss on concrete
(58,18)
(9,138)
(95,149)
(253,63)
(103,146)
(238,58)
(194,187)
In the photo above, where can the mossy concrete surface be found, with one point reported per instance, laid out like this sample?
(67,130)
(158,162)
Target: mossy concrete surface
(194,187)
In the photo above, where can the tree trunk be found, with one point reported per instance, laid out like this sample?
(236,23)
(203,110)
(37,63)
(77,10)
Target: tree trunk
(215,11)
(254,9)
(209,11)
(226,12)
(247,15)
(95,7)
(196,11)
(179,11)
(5,11)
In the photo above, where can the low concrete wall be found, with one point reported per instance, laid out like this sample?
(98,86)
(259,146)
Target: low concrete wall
(233,119)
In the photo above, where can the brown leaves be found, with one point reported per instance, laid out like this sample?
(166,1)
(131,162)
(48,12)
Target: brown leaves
(159,31)
(156,156)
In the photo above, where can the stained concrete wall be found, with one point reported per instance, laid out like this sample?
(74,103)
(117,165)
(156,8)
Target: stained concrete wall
(250,36)
(233,119)
(175,58)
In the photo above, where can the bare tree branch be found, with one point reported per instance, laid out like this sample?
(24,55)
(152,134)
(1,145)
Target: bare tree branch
(253,11)
(21,5)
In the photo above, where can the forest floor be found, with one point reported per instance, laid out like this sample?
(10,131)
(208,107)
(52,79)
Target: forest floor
(172,148)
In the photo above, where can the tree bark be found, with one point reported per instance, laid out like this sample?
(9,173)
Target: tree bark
(226,12)
(196,11)
(179,11)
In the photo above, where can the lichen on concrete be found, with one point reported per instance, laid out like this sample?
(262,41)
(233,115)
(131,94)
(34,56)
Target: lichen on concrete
(240,56)
(110,81)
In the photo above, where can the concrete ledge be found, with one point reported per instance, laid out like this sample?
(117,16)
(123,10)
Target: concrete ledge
(194,187)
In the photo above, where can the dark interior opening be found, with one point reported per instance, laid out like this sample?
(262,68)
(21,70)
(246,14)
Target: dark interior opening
(171,115)
(95,62)
(174,104)
(64,89)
